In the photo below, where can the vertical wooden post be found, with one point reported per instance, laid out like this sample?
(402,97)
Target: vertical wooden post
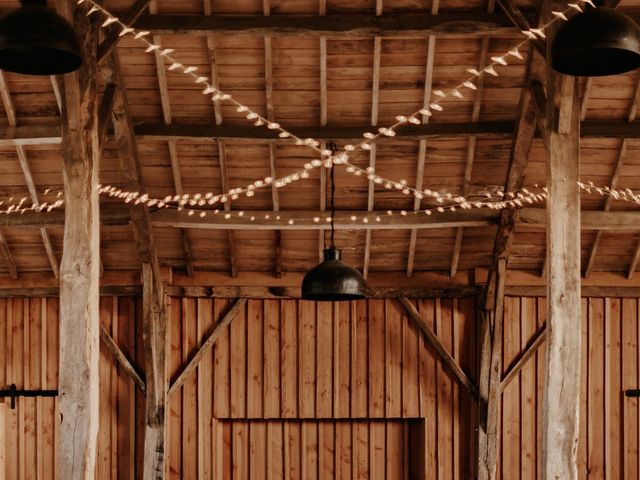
(80,267)
(561,404)
(490,376)
(154,329)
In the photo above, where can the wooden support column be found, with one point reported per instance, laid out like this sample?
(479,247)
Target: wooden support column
(490,375)
(154,333)
(78,382)
(561,404)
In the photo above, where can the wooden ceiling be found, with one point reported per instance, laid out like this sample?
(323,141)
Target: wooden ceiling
(330,78)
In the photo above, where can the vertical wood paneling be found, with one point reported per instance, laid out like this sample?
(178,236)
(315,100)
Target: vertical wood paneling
(289,360)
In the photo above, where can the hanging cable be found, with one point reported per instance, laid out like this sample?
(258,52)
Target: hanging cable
(334,149)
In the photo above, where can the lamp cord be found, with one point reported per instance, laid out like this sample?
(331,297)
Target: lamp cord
(334,149)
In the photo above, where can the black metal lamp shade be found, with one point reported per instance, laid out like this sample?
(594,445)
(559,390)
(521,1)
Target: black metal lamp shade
(597,42)
(333,280)
(35,40)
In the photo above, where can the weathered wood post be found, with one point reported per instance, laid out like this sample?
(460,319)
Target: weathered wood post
(79,270)
(561,404)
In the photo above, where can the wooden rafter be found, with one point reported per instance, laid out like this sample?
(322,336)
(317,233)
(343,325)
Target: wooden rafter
(322,10)
(375,96)
(224,178)
(112,36)
(521,22)
(471,152)
(172,145)
(631,117)
(584,103)
(268,80)
(422,147)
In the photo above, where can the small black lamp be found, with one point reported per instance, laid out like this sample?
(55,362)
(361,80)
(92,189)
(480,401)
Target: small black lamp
(35,40)
(599,41)
(333,280)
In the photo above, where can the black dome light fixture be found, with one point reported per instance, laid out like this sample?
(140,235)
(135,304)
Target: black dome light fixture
(333,280)
(599,41)
(35,40)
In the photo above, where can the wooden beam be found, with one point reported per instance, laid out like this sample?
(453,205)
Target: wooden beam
(294,292)
(618,221)
(471,150)
(433,340)
(520,22)
(165,102)
(316,220)
(78,383)
(521,359)
(224,178)
(154,334)
(210,339)
(375,95)
(7,258)
(493,129)
(489,403)
(422,147)
(49,134)
(121,358)
(112,37)
(561,403)
(343,25)
(493,309)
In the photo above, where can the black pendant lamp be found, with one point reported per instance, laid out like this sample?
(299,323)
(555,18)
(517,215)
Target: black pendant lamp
(35,40)
(333,280)
(599,41)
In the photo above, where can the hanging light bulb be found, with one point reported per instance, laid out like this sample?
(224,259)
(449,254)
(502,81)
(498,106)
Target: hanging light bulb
(35,40)
(597,42)
(333,280)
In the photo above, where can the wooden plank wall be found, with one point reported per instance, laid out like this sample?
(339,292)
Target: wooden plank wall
(609,421)
(279,391)
(287,377)
(29,358)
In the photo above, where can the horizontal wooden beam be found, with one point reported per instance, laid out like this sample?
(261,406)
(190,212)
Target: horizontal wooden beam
(49,134)
(294,292)
(174,131)
(456,24)
(108,216)
(316,220)
(620,221)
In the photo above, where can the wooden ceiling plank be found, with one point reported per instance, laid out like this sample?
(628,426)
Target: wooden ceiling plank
(471,152)
(375,97)
(422,146)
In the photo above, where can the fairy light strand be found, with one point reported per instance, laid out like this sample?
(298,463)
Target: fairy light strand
(414,118)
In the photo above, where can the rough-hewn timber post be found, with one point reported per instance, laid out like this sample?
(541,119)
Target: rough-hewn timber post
(80,267)
(561,404)
(154,329)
